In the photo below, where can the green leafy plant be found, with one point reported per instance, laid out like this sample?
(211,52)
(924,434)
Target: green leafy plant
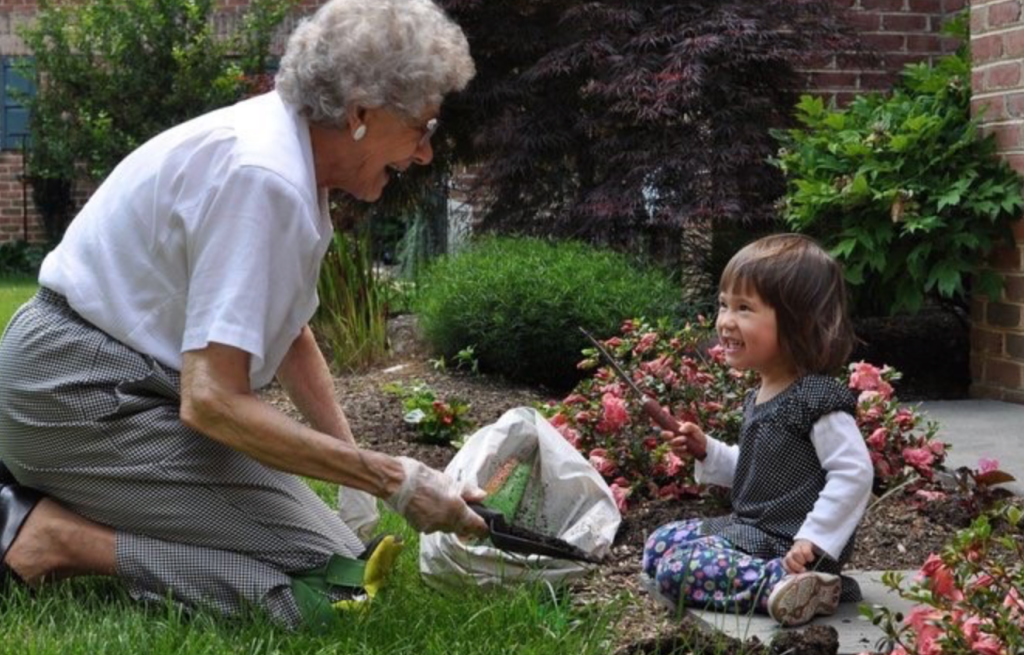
(437,421)
(113,73)
(902,188)
(970,598)
(464,360)
(518,302)
(352,316)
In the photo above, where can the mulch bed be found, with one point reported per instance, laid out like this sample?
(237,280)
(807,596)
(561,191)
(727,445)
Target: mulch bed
(892,536)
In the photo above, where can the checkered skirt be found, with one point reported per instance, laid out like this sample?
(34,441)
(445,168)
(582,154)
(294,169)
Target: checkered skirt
(95,425)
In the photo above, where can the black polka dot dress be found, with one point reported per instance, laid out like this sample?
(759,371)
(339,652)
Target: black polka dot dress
(778,474)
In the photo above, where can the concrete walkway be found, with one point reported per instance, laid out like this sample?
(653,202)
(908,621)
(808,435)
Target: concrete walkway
(974,429)
(856,633)
(982,428)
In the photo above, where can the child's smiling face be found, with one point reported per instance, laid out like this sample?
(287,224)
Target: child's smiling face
(748,331)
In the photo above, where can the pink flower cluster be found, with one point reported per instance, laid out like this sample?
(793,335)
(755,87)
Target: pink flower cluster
(971,597)
(603,420)
(953,623)
(899,440)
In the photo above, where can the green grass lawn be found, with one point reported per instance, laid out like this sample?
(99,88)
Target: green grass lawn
(14,291)
(88,616)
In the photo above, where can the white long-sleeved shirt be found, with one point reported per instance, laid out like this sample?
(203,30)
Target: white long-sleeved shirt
(849,475)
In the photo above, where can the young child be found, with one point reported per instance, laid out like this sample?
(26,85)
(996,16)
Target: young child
(801,475)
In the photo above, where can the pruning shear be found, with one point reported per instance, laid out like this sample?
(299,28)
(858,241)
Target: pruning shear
(650,406)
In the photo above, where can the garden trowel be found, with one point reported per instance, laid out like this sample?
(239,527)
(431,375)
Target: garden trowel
(515,539)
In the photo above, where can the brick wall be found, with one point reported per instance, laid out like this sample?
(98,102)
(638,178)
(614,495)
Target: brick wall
(997,339)
(896,32)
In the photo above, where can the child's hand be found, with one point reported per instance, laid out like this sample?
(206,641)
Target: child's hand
(687,441)
(799,556)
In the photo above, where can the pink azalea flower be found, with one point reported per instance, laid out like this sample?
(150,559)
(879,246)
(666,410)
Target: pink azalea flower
(570,435)
(877,439)
(614,414)
(558,420)
(669,491)
(988,645)
(905,419)
(923,621)
(987,465)
(673,464)
(941,580)
(583,417)
(659,367)
(621,495)
(717,353)
(614,389)
(937,447)
(919,458)
(865,377)
(574,399)
(614,342)
(627,327)
(600,461)
(646,343)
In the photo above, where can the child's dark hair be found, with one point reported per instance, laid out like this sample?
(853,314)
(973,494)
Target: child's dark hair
(804,285)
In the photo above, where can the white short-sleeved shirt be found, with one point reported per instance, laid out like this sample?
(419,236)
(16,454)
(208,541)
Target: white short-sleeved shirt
(213,231)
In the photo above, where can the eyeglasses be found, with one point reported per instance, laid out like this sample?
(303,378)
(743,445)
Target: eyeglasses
(428,132)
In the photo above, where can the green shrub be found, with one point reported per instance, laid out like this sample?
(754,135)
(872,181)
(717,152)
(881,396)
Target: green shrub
(118,72)
(902,189)
(519,303)
(21,258)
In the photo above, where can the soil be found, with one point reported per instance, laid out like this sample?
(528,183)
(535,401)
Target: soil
(893,535)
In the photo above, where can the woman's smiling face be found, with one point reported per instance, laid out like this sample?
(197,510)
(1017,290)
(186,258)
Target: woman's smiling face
(390,144)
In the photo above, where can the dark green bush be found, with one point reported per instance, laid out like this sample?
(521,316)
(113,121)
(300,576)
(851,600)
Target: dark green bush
(21,258)
(519,303)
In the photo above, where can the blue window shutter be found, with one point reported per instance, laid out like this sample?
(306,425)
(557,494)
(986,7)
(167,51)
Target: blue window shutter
(14,117)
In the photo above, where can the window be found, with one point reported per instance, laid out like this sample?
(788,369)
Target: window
(13,117)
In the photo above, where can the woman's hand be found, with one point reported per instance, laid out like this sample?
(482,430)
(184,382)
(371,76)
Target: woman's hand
(799,556)
(433,501)
(688,441)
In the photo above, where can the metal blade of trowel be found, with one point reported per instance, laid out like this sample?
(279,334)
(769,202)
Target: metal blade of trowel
(651,406)
(516,539)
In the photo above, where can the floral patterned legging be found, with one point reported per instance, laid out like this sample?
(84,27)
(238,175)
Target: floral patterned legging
(707,572)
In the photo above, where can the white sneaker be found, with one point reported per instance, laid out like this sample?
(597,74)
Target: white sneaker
(798,598)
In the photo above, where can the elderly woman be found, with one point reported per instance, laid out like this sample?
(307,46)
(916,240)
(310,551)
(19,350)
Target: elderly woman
(133,441)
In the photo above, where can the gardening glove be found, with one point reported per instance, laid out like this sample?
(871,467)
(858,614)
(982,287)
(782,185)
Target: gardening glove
(358,510)
(433,501)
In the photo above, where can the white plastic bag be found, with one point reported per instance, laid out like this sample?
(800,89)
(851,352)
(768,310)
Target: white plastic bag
(565,498)
(359,510)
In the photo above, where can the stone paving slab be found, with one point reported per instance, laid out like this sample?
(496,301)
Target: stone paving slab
(856,634)
(982,428)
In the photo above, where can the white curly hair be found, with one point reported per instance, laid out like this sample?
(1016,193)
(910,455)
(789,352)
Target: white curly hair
(403,55)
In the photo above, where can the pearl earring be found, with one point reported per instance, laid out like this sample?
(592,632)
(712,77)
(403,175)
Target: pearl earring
(359,133)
